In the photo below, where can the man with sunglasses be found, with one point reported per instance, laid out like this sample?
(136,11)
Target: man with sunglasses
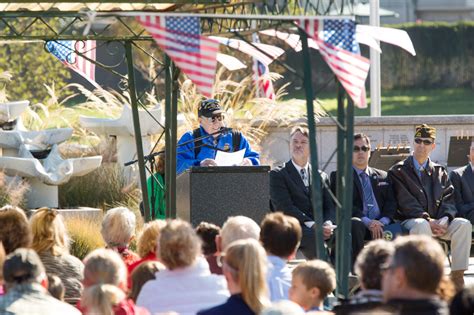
(425,199)
(209,138)
(373,201)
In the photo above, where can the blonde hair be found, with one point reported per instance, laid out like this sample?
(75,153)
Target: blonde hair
(104,266)
(248,266)
(16,231)
(148,239)
(49,232)
(118,227)
(238,228)
(100,299)
(2,260)
(179,245)
(316,274)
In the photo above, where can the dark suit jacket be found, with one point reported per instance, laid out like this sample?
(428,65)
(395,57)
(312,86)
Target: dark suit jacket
(411,197)
(288,194)
(463,182)
(383,192)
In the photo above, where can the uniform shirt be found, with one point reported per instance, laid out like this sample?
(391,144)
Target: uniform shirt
(185,154)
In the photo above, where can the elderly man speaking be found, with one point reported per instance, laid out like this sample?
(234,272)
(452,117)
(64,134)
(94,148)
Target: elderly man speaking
(199,147)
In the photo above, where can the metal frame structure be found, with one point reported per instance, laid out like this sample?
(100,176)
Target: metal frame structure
(237,24)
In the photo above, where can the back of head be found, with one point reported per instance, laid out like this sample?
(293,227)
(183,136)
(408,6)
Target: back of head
(143,273)
(148,239)
(101,298)
(104,266)
(238,228)
(208,232)
(118,227)
(178,245)
(280,234)
(463,302)
(369,262)
(422,260)
(56,287)
(316,274)
(23,266)
(15,228)
(283,307)
(49,232)
(246,260)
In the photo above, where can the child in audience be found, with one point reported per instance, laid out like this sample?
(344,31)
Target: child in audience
(208,232)
(311,283)
(143,273)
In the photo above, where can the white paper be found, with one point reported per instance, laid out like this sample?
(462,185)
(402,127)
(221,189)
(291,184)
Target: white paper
(229,158)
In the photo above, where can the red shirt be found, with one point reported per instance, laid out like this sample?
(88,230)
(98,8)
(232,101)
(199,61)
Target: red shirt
(149,257)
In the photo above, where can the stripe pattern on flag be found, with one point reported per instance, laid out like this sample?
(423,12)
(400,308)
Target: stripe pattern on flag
(264,82)
(340,50)
(71,53)
(181,39)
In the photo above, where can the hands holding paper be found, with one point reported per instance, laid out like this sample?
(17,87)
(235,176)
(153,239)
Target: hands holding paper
(227,159)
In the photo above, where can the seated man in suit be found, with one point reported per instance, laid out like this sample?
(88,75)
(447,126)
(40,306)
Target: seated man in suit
(463,182)
(426,201)
(373,200)
(290,193)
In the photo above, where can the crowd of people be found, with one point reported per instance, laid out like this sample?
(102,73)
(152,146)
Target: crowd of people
(170,272)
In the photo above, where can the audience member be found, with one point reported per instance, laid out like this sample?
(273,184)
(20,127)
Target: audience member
(446,290)
(104,299)
(104,267)
(244,266)
(368,268)
(118,230)
(280,235)
(235,228)
(51,242)
(312,282)
(283,307)
(187,286)
(413,274)
(208,233)
(463,302)
(56,287)
(146,245)
(290,193)
(26,283)
(426,201)
(142,274)
(373,200)
(15,228)
(463,182)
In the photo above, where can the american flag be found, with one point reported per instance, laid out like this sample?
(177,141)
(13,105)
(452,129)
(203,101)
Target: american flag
(181,39)
(67,52)
(340,50)
(264,83)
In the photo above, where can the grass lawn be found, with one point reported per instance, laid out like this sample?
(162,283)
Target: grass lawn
(412,102)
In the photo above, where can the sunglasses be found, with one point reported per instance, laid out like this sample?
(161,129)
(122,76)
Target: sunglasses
(213,119)
(362,148)
(424,141)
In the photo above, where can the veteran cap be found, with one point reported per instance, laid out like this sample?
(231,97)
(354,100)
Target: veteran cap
(425,131)
(209,107)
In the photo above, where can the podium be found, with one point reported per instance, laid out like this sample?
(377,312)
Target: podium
(212,194)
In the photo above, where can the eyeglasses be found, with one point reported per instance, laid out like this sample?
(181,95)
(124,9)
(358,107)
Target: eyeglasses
(213,119)
(362,148)
(424,141)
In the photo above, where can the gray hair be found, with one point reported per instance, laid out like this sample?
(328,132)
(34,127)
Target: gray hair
(118,227)
(238,228)
(104,266)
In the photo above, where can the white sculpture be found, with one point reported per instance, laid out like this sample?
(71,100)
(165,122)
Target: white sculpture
(21,150)
(122,129)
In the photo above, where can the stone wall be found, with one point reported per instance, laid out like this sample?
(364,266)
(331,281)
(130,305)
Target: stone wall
(383,131)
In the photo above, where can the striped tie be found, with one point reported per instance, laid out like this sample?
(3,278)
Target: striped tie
(368,196)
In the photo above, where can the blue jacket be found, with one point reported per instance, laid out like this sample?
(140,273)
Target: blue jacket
(235,305)
(185,154)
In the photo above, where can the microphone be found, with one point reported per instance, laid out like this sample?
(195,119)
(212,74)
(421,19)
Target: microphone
(224,130)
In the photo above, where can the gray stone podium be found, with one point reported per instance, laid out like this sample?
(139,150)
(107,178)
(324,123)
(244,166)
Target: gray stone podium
(212,194)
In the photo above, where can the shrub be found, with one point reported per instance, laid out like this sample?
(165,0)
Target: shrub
(12,191)
(85,235)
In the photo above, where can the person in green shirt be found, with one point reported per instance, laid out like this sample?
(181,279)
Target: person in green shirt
(156,190)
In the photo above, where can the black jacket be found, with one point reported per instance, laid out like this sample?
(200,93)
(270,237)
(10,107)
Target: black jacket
(383,192)
(288,194)
(463,182)
(411,196)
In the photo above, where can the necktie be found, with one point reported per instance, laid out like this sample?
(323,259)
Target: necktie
(303,176)
(368,196)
